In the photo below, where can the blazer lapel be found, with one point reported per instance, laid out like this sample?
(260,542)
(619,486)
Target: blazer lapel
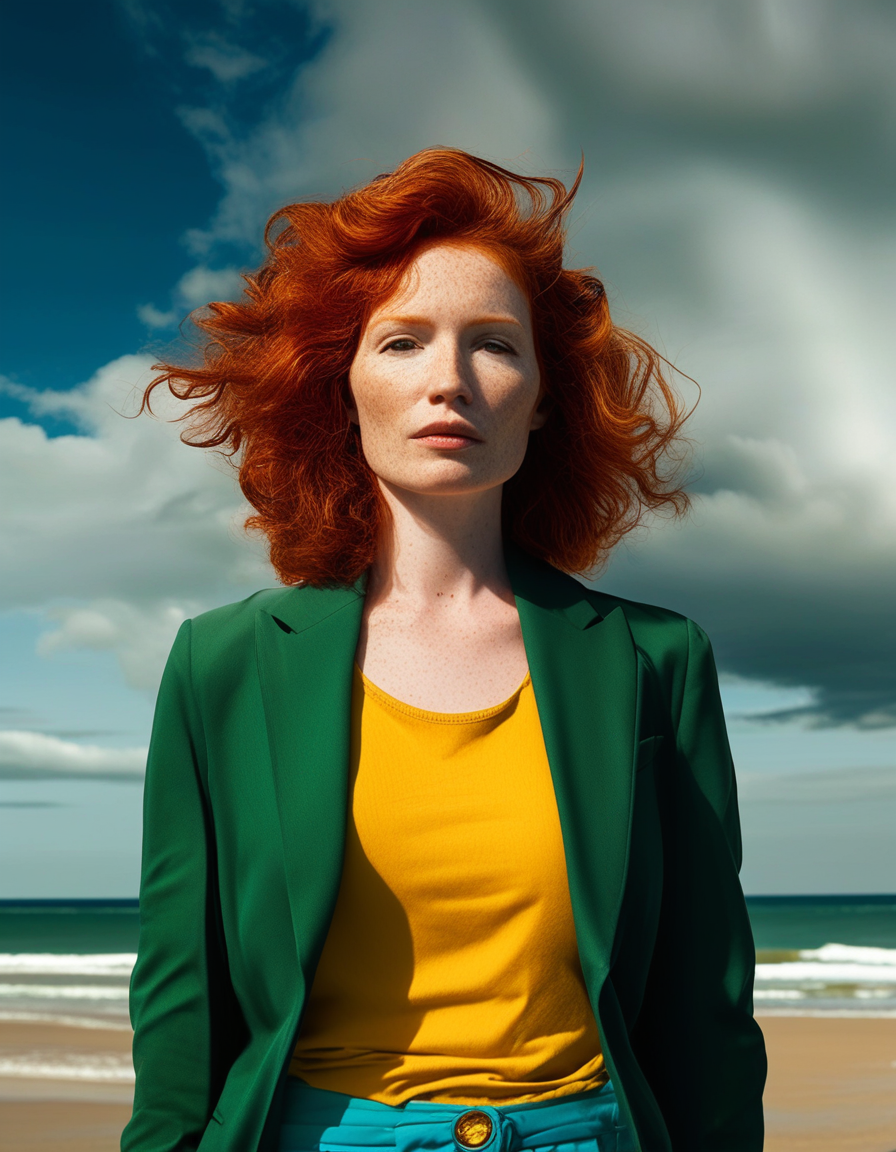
(584,674)
(305,645)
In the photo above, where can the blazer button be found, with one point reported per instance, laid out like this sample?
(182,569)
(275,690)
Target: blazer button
(473,1129)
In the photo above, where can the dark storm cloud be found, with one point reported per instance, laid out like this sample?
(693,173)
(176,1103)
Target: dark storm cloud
(788,559)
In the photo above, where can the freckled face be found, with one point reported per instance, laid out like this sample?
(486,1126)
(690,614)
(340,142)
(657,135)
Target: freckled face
(445,384)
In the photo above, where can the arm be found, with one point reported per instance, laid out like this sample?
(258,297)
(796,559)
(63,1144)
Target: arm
(180,973)
(696,1038)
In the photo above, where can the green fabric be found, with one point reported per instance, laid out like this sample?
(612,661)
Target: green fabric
(245,808)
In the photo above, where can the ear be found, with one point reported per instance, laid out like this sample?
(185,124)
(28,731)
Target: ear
(541,412)
(348,401)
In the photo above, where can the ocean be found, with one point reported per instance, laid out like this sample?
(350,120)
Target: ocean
(828,955)
(71,960)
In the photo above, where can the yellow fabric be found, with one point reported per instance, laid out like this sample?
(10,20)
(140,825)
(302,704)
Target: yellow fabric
(450,971)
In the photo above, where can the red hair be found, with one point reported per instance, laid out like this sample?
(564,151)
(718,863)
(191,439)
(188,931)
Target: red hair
(272,382)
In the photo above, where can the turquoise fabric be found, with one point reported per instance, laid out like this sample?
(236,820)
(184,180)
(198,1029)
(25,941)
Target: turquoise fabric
(316,1120)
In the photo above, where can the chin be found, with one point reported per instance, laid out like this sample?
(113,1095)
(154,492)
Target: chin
(449,483)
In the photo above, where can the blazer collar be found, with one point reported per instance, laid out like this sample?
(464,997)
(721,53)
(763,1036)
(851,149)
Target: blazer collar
(584,674)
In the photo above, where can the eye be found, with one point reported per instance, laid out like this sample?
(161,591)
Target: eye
(496,346)
(404,344)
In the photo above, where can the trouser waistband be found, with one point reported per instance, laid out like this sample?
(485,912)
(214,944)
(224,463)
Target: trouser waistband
(317,1120)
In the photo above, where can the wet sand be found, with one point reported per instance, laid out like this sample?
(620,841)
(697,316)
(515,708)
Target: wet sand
(41,1114)
(831,1088)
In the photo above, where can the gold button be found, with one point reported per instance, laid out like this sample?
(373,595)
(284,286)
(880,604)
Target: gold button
(473,1129)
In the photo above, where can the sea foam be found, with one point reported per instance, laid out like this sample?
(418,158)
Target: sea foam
(55,964)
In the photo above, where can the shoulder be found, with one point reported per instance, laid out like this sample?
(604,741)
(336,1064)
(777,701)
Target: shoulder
(220,628)
(674,655)
(656,631)
(222,639)
(225,637)
(670,646)
(654,628)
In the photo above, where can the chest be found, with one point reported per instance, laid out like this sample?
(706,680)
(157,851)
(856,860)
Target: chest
(455,814)
(444,658)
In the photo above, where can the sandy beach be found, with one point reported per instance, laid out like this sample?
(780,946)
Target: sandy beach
(831,1088)
(831,1084)
(69,1113)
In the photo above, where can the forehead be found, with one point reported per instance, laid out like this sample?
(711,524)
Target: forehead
(457,275)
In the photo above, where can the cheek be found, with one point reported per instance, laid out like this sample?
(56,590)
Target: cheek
(520,397)
(368,393)
(376,409)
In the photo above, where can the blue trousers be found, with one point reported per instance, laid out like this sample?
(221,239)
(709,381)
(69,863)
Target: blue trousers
(317,1120)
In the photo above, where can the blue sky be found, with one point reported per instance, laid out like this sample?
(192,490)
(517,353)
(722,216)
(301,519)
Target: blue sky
(737,201)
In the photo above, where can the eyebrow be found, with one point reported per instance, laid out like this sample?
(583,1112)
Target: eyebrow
(421,321)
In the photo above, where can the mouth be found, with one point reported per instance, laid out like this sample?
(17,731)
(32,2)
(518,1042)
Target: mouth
(448,434)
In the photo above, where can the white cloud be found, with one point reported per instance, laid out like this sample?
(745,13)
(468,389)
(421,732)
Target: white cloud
(201,284)
(122,532)
(140,635)
(152,317)
(195,289)
(34,756)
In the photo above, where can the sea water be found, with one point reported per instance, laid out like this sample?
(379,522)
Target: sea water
(825,955)
(70,962)
(67,963)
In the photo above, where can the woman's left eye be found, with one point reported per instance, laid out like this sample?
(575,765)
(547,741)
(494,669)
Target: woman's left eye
(495,346)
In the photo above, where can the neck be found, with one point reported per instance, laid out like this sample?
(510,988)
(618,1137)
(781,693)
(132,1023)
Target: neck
(440,546)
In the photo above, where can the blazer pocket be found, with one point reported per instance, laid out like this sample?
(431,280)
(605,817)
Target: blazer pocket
(647,751)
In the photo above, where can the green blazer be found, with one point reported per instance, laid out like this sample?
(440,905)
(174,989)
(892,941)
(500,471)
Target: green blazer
(245,812)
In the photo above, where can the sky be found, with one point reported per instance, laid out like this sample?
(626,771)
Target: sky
(737,202)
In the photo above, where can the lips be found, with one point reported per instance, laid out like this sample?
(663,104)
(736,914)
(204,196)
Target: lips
(453,430)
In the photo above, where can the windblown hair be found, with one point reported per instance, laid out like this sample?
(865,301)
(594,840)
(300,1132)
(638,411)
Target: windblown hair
(272,383)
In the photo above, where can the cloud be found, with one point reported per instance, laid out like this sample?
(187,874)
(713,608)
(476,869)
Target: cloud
(760,59)
(393,77)
(152,317)
(139,635)
(194,290)
(788,557)
(31,804)
(120,533)
(226,62)
(35,756)
(202,284)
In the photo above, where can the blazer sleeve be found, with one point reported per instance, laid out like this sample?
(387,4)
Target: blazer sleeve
(696,1038)
(180,971)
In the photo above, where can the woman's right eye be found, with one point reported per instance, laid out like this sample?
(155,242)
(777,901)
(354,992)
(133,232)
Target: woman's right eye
(402,345)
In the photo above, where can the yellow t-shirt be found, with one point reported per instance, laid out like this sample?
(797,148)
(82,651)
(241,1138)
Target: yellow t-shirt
(450,971)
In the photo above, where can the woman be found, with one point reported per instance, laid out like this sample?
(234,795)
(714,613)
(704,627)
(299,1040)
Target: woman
(441,847)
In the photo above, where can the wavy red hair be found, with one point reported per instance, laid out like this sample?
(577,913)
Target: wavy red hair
(271,384)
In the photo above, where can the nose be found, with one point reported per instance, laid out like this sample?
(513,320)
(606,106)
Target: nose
(451,376)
